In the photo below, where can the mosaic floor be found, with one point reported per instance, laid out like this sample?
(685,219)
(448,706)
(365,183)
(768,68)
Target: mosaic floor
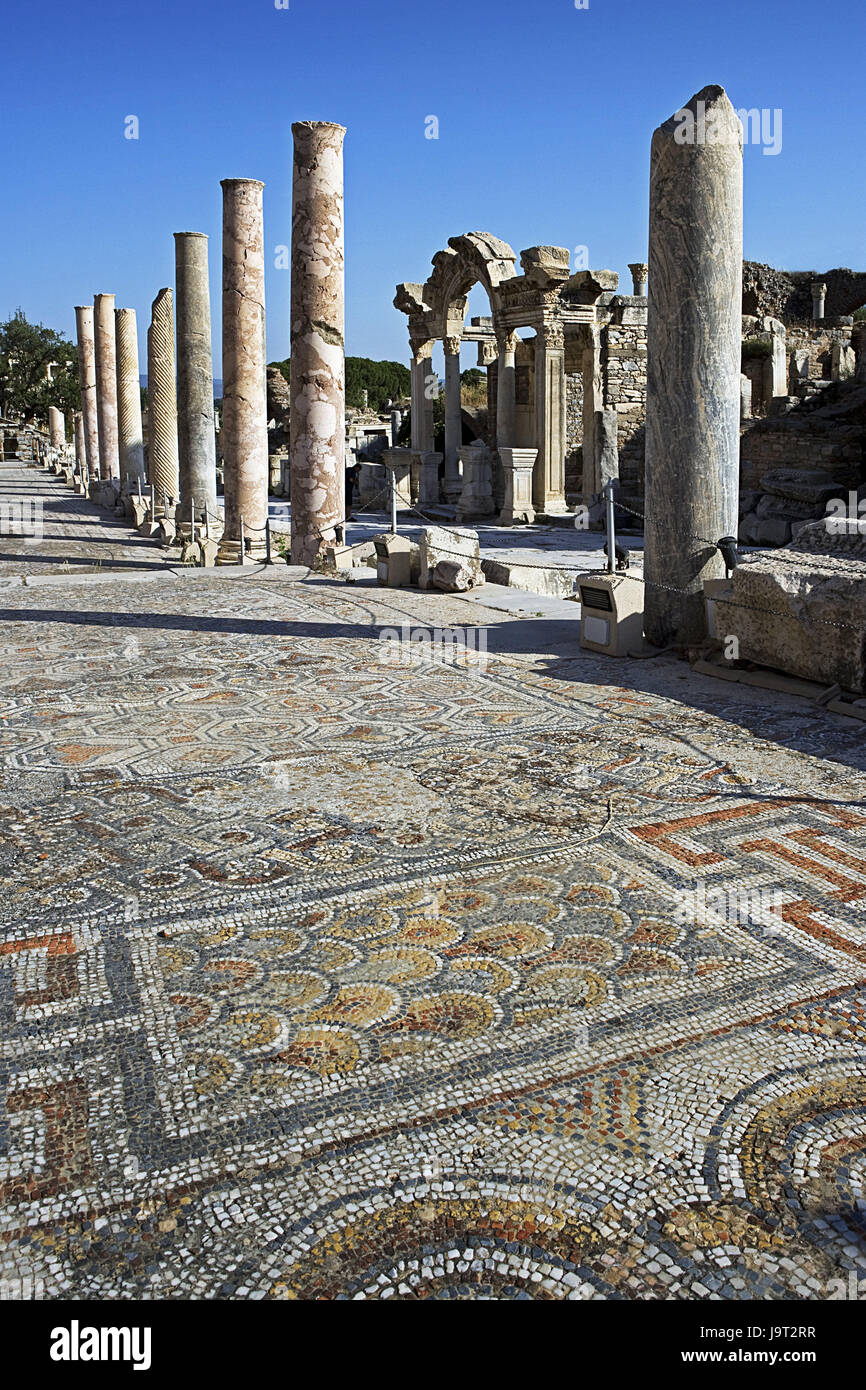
(327,978)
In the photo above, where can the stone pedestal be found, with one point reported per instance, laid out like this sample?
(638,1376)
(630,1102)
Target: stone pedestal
(428,480)
(129,399)
(244,433)
(317,340)
(106,385)
(476,497)
(398,465)
(87,382)
(518,466)
(693,365)
(162,403)
(843,364)
(56,429)
(195,408)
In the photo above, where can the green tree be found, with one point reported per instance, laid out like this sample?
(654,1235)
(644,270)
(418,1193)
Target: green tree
(26,350)
(383,381)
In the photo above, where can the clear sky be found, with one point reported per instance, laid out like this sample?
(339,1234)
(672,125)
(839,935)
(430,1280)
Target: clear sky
(545,118)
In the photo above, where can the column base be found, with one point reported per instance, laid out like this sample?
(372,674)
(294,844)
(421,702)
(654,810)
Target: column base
(523,516)
(229,553)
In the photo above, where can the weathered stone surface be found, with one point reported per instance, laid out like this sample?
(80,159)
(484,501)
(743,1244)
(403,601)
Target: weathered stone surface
(195,409)
(517,467)
(452,577)
(476,496)
(244,434)
(317,339)
(84,332)
(444,543)
(163,471)
(129,427)
(106,385)
(56,428)
(693,377)
(802,609)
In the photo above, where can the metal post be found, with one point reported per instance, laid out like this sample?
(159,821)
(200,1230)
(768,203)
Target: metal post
(268,541)
(611,539)
(192,519)
(152,503)
(393,501)
(243,543)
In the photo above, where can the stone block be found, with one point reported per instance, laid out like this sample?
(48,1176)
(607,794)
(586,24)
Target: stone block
(444,543)
(802,609)
(452,577)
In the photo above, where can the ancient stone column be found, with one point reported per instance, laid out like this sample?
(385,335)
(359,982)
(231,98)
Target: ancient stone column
(639,271)
(56,429)
(87,383)
(860,342)
(317,339)
(453,420)
(195,409)
(106,385)
(423,394)
(80,444)
(244,434)
(693,363)
(129,398)
(163,472)
(505,392)
(819,294)
(550,424)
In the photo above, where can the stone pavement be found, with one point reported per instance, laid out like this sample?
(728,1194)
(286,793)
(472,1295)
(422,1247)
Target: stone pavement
(325,976)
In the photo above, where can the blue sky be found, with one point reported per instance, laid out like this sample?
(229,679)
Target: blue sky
(545,118)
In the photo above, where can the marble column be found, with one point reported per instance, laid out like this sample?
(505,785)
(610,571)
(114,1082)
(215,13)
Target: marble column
(163,471)
(195,408)
(505,391)
(819,295)
(244,434)
(639,271)
(453,420)
(106,385)
(129,399)
(550,420)
(318,430)
(56,429)
(87,382)
(424,386)
(693,365)
(80,445)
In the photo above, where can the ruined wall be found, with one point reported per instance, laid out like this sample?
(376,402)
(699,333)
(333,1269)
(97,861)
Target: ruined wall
(787,294)
(623,354)
(818,342)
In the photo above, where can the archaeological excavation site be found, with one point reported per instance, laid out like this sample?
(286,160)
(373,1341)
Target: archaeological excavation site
(433,783)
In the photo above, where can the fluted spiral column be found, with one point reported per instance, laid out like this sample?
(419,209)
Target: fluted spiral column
(80,444)
(318,432)
(162,401)
(87,382)
(244,434)
(56,429)
(106,385)
(129,398)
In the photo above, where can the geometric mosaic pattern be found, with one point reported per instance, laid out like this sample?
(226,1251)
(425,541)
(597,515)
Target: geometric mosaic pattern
(326,979)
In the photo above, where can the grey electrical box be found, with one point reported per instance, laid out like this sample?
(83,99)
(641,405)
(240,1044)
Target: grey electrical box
(611,614)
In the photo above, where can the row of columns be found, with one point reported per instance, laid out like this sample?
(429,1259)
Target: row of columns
(182,454)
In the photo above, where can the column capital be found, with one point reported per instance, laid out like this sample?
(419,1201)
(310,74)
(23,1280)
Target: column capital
(451,345)
(422,351)
(507,342)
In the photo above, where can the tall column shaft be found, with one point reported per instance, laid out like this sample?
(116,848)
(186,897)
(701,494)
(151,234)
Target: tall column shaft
(453,419)
(693,361)
(56,428)
(129,397)
(84,332)
(317,338)
(505,395)
(195,409)
(80,443)
(550,420)
(162,401)
(422,380)
(244,434)
(106,385)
